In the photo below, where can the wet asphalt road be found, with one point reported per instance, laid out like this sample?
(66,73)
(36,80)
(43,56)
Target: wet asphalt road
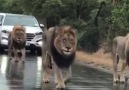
(84,78)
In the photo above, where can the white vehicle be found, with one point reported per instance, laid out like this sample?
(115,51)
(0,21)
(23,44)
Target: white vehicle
(33,30)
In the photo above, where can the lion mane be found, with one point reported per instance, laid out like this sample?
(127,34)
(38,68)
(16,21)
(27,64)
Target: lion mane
(18,37)
(54,40)
(61,60)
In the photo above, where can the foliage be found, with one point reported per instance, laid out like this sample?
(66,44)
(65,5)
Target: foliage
(120,18)
(113,20)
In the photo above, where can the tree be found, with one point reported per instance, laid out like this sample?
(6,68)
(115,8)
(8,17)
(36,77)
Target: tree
(111,20)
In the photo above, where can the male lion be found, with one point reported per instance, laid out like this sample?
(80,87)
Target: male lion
(17,42)
(120,51)
(59,53)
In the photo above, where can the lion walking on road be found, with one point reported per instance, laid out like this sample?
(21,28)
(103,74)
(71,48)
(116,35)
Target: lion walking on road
(120,52)
(17,42)
(59,47)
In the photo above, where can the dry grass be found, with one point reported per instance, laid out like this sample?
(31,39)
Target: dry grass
(98,58)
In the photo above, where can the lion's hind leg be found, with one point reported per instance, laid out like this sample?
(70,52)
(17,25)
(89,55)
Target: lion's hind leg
(115,74)
(122,76)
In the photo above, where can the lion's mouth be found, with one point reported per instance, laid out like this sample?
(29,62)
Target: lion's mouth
(19,40)
(66,52)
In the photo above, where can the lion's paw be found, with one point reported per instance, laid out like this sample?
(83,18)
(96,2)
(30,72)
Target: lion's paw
(10,58)
(116,80)
(60,86)
(16,60)
(122,79)
(67,80)
(45,80)
(56,82)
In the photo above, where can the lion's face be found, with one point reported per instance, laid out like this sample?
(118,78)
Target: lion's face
(66,41)
(19,34)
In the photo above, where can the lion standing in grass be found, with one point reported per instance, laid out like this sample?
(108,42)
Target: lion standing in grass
(120,52)
(59,46)
(17,42)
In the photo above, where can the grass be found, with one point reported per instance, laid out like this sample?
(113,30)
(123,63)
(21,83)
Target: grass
(98,58)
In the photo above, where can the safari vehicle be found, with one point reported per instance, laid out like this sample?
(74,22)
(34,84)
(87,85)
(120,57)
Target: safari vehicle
(33,30)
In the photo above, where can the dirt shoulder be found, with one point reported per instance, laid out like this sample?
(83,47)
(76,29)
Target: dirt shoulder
(98,60)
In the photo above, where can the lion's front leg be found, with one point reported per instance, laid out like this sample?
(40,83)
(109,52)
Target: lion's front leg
(45,73)
(59,78)
(10,53)
(16,58)
(45,67)
(23,54)
(10,47)
(21,58)
(67,74)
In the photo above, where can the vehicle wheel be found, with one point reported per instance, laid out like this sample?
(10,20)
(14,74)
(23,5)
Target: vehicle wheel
(39,51)
(32,51)
(1,50)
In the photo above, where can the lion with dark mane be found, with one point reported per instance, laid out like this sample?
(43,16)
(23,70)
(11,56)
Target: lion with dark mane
(59,46)
(17,42)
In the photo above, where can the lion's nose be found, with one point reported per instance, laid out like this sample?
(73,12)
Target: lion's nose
(68,48)
(19,39)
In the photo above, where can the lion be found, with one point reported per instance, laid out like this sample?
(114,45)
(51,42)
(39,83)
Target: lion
(59,50)
(16,43)
(120,52)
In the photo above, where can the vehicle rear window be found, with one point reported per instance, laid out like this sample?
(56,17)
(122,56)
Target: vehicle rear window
(22,20)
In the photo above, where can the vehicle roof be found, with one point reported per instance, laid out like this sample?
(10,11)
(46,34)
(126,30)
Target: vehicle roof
(14,14)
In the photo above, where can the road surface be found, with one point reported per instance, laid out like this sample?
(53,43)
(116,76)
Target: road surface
(84,78)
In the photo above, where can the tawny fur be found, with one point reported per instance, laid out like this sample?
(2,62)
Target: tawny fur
(120,52)
(16,43)
(59,47)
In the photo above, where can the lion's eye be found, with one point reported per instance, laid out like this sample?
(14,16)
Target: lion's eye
(71,40)
(64,40)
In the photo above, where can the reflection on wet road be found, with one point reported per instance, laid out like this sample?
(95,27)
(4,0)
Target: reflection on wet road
(84,78)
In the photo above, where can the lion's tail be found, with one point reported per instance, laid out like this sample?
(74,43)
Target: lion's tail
(114,46)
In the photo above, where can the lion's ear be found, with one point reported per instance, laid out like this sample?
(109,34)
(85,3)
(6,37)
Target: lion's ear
(59,30)
(73,31)
(24,29)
